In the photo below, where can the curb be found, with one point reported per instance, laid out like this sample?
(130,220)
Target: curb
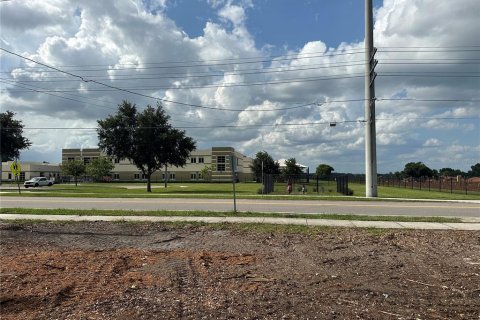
(265,220)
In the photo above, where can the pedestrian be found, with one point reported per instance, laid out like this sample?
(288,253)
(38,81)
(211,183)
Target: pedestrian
(304,189)
(289,187)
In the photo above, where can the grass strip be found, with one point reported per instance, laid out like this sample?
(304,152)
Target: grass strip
(164,213)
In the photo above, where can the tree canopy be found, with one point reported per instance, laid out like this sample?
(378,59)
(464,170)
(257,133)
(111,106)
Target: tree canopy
(475,172)
(324,170)
(417,170)
(291,167)
(100,167)
(270,166)
(11,137)
(145,138)
(449,172)
(74,168)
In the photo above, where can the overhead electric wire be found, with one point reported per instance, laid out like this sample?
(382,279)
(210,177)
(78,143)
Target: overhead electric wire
(200,65)
(234,110)
(128,90)
(295,56)
(292,56)
(262,125)
(200,74)
(56,95)
(225,85)
(431,74)
(113,87)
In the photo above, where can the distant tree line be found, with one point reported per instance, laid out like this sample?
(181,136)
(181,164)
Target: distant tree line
(419,170)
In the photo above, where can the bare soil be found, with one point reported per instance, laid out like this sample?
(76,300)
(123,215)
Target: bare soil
(163,271)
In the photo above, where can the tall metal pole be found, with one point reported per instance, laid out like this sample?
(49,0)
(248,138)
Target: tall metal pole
(370,131)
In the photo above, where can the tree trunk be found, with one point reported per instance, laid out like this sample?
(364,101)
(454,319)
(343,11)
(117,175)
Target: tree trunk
(149,185)
(166,176)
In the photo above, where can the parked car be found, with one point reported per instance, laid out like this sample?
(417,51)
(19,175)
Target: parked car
(38,182)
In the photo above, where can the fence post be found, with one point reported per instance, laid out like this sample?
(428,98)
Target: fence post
(451,185)
(466,186)
(440,184)
(429,184)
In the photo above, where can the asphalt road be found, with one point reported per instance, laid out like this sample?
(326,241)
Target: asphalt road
(454,209)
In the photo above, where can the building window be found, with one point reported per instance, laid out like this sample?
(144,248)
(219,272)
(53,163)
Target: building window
(144,176)
(220,163)
(163,176)
(172,176)
(116,160)
(9,176)
(193,176)
(193,160)
(86,160)
(116,176)
(200,160)
(136,176)
(70,158)
(22,176)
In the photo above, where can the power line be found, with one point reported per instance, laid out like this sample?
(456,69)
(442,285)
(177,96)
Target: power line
(207,75)
(201,74)
(263,83)
(113,87)
(235,110)
(293,56)
(56,95)
(414,61)
(261,125)
(225,85)
(178,65)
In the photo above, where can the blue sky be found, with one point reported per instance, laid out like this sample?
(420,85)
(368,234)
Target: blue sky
(283,23)
(272,75)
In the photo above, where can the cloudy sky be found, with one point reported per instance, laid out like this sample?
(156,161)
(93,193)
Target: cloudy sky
(252,74)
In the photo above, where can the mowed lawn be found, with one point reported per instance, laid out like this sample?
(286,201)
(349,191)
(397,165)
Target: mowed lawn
(326,190)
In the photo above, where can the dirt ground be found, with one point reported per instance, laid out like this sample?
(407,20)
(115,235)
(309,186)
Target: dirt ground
(158,271)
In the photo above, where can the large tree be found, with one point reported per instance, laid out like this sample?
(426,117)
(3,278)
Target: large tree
(11,138)
(324,171)
(270,166)
(100,167)
(449,172)
(145,138)
(291,167)
(417,170)
(475,172)
(74,168)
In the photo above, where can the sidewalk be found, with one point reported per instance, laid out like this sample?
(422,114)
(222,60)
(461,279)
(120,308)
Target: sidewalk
(469,226)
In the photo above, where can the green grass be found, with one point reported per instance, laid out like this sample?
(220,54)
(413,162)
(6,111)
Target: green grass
(163,213)
(395,192)
(327,190)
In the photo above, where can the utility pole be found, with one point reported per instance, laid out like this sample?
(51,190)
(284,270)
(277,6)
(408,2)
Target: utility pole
(370,131)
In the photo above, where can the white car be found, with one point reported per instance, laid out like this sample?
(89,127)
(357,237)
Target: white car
(38,182)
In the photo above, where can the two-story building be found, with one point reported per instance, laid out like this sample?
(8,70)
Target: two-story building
(219,159)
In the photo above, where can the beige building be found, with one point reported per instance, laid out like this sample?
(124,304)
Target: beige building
(219,158)
(30,170)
